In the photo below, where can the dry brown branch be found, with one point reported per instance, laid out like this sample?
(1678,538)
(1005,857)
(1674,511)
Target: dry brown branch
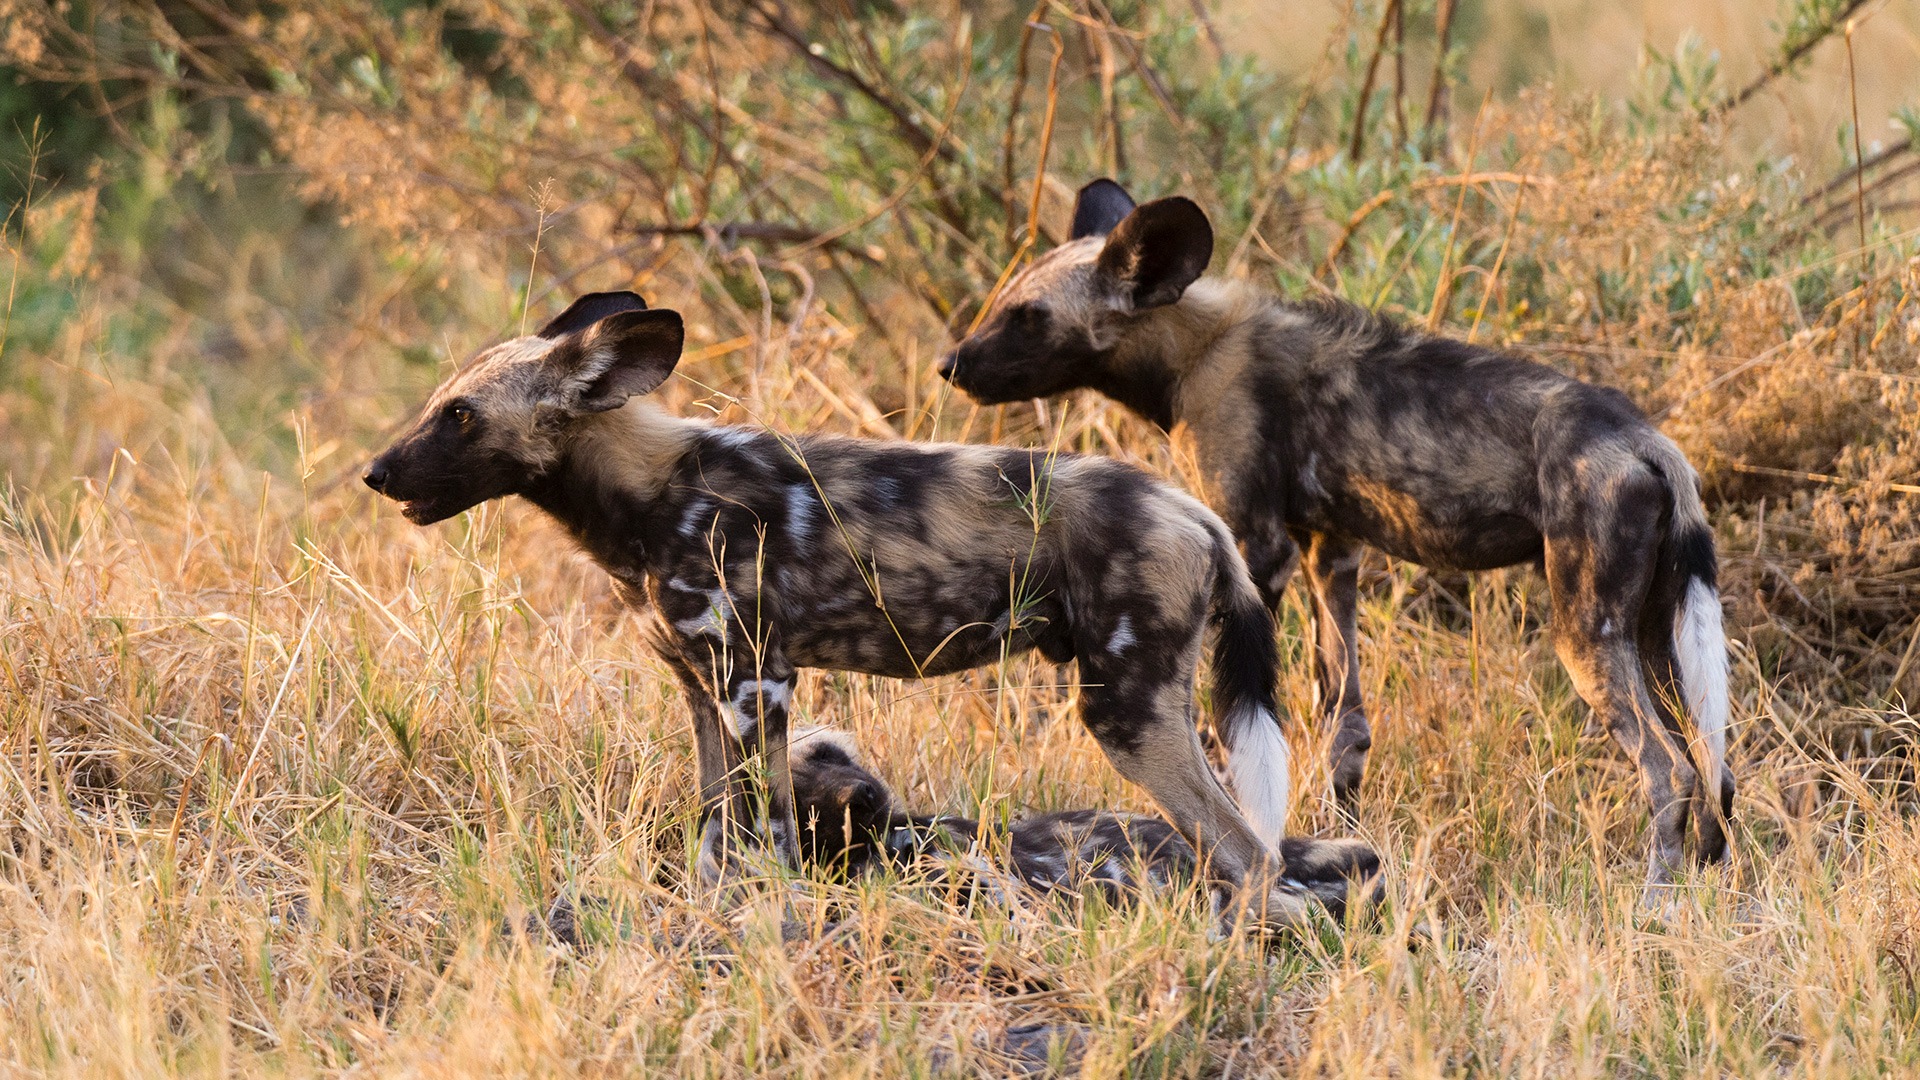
(1782,65)
(1836,213)
(1443,285)
(774,19)
(1400,71)
(1846,175)
(1208,32)
(1437,89)
(1366,82)
(1366,210)
(1820,478)
(1009,191)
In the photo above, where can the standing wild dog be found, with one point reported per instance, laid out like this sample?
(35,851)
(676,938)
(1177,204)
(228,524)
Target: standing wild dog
(1320,427)
(760,553)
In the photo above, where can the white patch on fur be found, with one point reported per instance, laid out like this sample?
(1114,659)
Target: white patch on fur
(697,514)
(746,711)
(1310,478)
(1122,636)
(803,742)
(799,513)
(710,623)
(1700,647)
(1260,765)
(730,437)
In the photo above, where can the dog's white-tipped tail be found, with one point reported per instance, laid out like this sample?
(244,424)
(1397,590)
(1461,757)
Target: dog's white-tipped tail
(1700,650)
(1259,764)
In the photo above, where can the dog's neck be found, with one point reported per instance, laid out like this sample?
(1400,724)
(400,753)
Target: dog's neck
(613,470)
(1167,352)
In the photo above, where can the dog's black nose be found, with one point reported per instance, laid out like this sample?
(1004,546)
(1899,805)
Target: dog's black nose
(948,363)
(376,477)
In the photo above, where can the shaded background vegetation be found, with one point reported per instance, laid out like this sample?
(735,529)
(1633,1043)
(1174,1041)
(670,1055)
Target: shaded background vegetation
(244,239)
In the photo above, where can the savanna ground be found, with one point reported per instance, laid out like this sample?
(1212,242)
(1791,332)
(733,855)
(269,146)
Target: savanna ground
(277,768)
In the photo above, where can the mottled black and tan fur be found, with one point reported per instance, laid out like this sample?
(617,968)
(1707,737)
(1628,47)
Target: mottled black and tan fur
(849,818)
(1321,428)
(759,553)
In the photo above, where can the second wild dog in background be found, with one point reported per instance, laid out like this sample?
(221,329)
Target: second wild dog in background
(759,553)
(1321,428)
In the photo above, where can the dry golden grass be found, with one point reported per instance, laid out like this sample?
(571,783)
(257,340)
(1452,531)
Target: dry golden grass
(283,777)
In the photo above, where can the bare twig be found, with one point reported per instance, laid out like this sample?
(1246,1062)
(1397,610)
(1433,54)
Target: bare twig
(1444,286)
(1860,199)
(1437,91)
(1039,185)
(1157,86)
(1021,72)
(776,22)
(1499,261)
(1366,84)
(1785,63)
(732,232)
(1046,141)
(1859,177)
(1207,30)
(1837,213)
(1400,71)
(1359,217)
(1819,478)
(1846,175)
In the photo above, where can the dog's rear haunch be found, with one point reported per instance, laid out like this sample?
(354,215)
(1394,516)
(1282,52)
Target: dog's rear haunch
(759,553)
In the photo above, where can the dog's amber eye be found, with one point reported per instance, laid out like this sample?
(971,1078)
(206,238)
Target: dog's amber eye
(460,414)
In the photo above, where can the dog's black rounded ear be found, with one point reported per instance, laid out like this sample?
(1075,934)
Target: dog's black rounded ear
(1160,249)
(1099,208)
(624,355)
(590,309)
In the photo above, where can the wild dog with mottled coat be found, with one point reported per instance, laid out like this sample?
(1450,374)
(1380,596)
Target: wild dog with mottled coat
(1320,427)
(849,818)
(759,553)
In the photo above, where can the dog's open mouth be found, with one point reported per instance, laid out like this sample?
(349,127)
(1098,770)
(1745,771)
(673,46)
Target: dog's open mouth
(422,511)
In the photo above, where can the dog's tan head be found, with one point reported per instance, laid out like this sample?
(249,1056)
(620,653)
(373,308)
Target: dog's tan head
(505,418)
(1053,328)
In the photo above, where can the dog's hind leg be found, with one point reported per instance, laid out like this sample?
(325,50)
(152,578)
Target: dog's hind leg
(1141,712)
(1333,570)
(1712,810)
(1601,546)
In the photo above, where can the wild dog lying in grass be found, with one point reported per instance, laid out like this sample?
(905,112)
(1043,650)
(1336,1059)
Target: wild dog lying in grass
(850,818)
(760,553)
(1320,427)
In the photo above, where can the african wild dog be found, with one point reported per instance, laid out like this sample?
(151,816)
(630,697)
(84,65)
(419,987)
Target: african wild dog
(759,553)
(1320,427)
(849,818)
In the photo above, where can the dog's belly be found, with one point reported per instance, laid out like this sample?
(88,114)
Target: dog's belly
(1448,537)
(911,637)
(1483,544)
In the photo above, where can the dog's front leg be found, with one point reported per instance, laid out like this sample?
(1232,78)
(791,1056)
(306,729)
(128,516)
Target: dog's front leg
(739,685)
(758,703)
(724,811)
